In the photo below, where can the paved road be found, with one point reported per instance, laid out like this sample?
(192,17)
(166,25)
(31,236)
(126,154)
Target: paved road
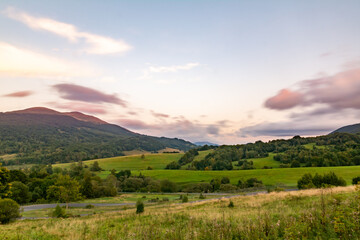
(44,206)
(53,205)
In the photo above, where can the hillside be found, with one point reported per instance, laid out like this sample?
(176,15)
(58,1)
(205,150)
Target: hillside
(355,129)
(41,135)
(308,214)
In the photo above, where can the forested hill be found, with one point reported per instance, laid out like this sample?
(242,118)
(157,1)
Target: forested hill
(41,135)
(355,129)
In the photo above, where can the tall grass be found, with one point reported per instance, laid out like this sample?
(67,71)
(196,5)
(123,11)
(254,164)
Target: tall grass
(309,214)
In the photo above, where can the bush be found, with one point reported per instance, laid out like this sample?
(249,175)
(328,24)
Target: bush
(168,186)
(9,210)
(231,204)
(202,196)
(59,212)
(253,182)
(139,207)
(185,199)
(328,179)
(225,180)
(89,206)
(173,165)
(228,188)
(198,187)
(356,180)
(295,164)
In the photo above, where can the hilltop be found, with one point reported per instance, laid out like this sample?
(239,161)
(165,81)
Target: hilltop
(42,135)
(354,129)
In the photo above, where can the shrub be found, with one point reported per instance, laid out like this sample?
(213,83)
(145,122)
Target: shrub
(168,186)
(185,199)
(225,180)
(9,210)
(165,199)
(231,204)
(95,167)
(59,212)
(198,187)
(295,164)
(173,165)
(139,207)
(89,206)
(202,196)
(328,179)
(356,180)
(228,188)
(253,182)
(305,182)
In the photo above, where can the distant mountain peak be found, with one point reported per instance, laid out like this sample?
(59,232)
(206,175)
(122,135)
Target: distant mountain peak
(37,110)
(77,115)
(354,129)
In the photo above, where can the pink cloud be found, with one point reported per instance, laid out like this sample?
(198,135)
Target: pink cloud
(285,99)
(80,107)
(340,91)
(19,94)
(134,124)
(159,115)
(85,94)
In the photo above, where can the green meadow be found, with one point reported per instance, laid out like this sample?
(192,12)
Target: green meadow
(135,162)
(276,176)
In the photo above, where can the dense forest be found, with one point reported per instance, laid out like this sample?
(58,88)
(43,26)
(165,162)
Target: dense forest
(336,149)
(55,138)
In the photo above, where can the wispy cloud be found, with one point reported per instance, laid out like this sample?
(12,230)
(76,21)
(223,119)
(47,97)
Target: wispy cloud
(174,68)
(17,61)
(19,94)
(181,128)
(80,107)
(85,94)
(96,44)
(340,91)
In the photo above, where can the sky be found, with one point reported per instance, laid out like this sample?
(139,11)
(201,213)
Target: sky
(227,72)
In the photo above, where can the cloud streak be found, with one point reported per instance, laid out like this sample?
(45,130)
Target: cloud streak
(174,68)
(340,91)
(85,94)
(96,44)
(80,107)
(182,128)
(19,94)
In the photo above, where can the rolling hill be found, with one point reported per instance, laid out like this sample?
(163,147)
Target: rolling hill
(42,135)
(355,129)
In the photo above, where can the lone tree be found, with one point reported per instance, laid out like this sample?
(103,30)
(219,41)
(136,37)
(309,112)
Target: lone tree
(95,167)
(139,207)
(9,210)
(65,190)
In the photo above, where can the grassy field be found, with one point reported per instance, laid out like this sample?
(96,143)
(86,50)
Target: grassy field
(135,162)
(259,163)
(276,176)
(309,214)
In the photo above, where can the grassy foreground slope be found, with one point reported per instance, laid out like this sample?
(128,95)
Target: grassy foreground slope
(309,214)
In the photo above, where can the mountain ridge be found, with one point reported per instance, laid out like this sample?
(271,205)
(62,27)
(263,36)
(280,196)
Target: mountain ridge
(42,135)
(353,128)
